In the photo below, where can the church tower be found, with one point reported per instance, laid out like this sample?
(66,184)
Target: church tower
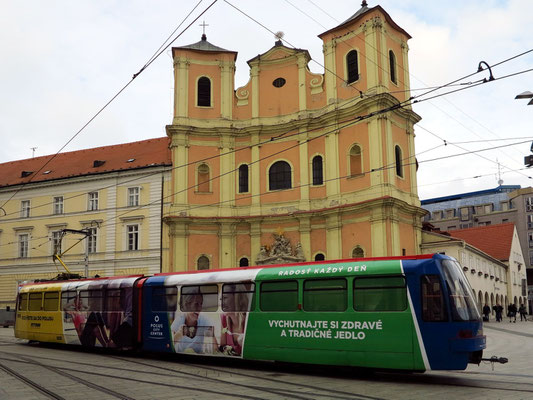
(294,165)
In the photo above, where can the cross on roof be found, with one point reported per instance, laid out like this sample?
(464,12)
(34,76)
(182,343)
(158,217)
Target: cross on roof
(203,25)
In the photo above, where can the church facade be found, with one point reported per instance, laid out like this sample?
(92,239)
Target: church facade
(295,166)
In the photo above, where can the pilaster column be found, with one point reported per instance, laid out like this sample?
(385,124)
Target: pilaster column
(255,236)
(181,87)
(180,147)
(332,165)
(254,73)
(302,86)
(179,235)
(331,70)
(305,237)
(227,180)
(333,236)
(226,234)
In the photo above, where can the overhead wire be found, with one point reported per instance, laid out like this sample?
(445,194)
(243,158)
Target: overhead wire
(150,61)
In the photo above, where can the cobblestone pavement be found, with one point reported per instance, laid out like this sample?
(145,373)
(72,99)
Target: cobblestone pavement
(61,373)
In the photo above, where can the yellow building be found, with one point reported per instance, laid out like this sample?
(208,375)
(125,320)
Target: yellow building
(295,165)
(113,192)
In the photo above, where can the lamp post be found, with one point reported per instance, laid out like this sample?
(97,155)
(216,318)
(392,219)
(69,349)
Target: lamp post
(526,95)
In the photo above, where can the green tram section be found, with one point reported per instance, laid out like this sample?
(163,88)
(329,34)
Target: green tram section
(353,313)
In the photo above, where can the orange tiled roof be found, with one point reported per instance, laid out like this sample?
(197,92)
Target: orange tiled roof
(142,154)
(495,240)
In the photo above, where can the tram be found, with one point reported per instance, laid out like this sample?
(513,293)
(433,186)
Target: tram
(405,313)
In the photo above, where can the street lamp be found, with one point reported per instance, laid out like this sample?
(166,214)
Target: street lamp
(526,95)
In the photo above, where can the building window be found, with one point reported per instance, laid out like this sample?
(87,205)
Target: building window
(58,205)
(24,209)
(464,213)
(243,179)
(487,208)
(356,164)
(505,205)
(204,92)
(243,262)
(398,159)
(202,263)
(358,252)
(392,66)
(278,82)
(133,237)
(352,66)
(23,245)
(530,221)
(318,174)
(203,178)
(91,240)
(56,242)
(133,196)
(93,201)
(450,213)
(279,176)
(320,257)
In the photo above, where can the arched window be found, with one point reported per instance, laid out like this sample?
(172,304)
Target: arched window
(318,174)
(352,66)
(204,92)
(356,164)
(202,263)
(279,176)
(243,178)
(203,178)
(398,161)
(320,257)
(392,67)
(243,262)
(358,252)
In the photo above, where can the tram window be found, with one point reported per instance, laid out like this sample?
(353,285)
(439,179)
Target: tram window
(112,300)
(238,296)
(387,293)
(433,307)
(325,295)
(199,298)
(462,301)
(164,298)
(51,301)
(67,299)
(23,302)
(279,296)
(93,299)
(35,302)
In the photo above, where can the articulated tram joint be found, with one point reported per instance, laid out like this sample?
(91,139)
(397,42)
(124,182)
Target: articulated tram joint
(496,359)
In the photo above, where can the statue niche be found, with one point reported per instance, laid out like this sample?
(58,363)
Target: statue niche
(280,252)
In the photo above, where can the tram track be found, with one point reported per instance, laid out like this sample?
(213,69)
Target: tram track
(271,380)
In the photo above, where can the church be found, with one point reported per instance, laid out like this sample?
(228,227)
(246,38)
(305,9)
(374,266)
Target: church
(294,166)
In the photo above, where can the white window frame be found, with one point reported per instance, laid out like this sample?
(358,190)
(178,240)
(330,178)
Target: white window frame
(92,241)
(58,205)
(132,237)
(134,196)
(92,201)
(25,206)
(55,241)
(23,245)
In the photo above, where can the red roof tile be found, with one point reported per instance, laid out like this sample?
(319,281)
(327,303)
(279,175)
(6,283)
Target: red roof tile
(143,154)
(495,240)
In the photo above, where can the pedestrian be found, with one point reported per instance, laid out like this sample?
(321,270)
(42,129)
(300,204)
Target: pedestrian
(486,312)
(498,309)
(512,312)
(522,311)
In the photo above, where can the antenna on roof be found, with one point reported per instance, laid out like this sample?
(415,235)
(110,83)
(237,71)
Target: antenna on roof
(33,151)
(500,180)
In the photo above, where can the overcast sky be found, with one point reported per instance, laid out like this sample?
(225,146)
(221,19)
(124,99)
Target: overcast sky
(64,60)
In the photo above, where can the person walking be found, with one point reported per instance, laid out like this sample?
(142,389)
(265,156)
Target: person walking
(522,311)
(486,312)
(498,309)
(512,312)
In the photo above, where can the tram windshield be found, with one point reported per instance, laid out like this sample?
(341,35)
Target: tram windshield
(461,296)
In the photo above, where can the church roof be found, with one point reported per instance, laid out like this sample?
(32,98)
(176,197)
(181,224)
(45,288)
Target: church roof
(363,11)
(204,45)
